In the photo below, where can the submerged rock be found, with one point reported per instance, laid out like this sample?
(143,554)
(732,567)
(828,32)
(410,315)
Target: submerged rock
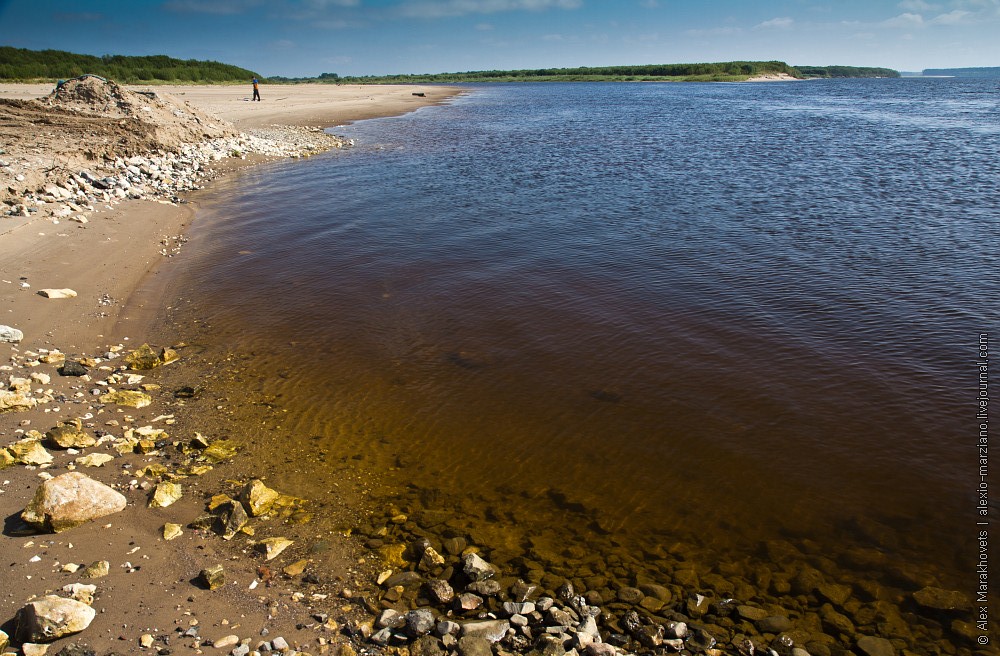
(938,599)
(69,500)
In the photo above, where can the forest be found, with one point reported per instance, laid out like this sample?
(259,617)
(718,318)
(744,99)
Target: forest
(49,65)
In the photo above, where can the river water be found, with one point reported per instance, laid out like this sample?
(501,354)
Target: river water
(717,314)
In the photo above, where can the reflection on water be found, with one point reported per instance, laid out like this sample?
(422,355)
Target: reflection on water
(709,315)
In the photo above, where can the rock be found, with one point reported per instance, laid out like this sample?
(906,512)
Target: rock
(73,368)
(280,644)
(938,599)
(834,593)
(774,624)
(96,570)
(232,518)
(492,630)
(171,531)
(258,498)
(6,460)
(431,559)
(476,568)
(33,649)
(440,591)
(220,450)
(468,601)
(8,334)
(486,588)
(872,646)
(700,640)
(165,494)
(94,460)
(599,649)
(127,398)
(4,641)
(16,401)
(143,358)
(272,547)
(473,646)
(835,622)
(296,568)
(81,592)
(226,642)
(57,293)
(69,435)
(750,613)
(212,577)
(427,645)
(630,595)
(69,500)
(29,452)
(51,618)
(419,622)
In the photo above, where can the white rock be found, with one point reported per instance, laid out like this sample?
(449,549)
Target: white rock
(51,618)
(57,293)
(69,500)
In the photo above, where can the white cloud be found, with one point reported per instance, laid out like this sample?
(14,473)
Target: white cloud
(957,17)
(917,5)
(444,8)
(714,31)
(781,23)
(905,21)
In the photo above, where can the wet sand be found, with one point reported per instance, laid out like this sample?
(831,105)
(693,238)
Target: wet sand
(122,249)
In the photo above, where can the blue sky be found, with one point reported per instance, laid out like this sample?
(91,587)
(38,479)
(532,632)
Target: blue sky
(372,37)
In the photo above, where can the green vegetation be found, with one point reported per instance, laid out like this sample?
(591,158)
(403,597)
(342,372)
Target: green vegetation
(717,72)
(986,71)
(846,71)
(25,65)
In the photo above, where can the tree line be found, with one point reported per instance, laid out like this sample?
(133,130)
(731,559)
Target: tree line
(846,71)
(23,65)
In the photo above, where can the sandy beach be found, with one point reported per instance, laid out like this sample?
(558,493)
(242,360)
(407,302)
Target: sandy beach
(105,250)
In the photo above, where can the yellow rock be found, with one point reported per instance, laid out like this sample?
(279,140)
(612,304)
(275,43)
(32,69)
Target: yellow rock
(392,554)
(165,494)
(171,531)
(272,547)
(128,398)
(258,498)
(296,568)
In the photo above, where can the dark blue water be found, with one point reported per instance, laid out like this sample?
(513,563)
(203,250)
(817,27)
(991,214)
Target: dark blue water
(731,310)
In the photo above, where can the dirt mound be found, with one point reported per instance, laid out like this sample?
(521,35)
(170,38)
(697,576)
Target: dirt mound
(171,121)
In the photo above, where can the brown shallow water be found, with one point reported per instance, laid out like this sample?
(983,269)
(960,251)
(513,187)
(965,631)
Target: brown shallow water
(592,391)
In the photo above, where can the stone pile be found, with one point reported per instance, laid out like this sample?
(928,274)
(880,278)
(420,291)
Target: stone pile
(162,175)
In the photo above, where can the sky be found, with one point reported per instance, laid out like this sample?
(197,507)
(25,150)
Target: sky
(304,38)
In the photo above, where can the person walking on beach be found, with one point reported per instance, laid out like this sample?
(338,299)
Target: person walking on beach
(256,90)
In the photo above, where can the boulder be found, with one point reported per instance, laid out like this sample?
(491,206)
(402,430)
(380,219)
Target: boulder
(9,334)
(51,618)
(16,401)
(69,500)
(872,646)
(69,435)
(29,452)
(212,577)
